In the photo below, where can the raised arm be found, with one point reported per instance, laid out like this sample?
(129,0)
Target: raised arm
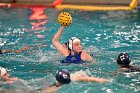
(57,44)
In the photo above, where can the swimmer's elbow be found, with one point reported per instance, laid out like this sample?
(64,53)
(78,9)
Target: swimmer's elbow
(55,38)
(90,60)
(54,41)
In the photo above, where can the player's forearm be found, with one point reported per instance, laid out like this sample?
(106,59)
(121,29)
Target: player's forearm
(7,51)
(58,34)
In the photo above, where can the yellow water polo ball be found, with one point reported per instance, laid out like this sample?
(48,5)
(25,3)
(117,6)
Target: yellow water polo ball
(64,18)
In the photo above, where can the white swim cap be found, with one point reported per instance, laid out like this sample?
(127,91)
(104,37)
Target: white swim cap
(2,71)
(71,41)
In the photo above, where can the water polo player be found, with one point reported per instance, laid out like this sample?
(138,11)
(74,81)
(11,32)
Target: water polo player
(124,61)
(65,77)
(73,52)
(5,76)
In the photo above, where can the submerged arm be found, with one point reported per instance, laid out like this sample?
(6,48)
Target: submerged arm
(51,89)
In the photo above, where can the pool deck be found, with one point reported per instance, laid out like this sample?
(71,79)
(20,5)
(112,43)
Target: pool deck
(50,3)
(83,2)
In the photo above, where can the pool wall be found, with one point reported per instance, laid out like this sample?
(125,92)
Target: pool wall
(84,2)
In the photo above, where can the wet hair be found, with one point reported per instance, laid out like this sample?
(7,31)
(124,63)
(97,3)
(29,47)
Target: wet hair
(63,77)
(123,60)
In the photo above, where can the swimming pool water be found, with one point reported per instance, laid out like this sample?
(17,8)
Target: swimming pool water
(104,34)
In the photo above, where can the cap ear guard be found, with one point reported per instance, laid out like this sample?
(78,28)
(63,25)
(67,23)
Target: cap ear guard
(71,41)
(67,45)
(64,75)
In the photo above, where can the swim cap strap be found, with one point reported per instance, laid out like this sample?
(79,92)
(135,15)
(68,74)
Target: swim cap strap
(70,44)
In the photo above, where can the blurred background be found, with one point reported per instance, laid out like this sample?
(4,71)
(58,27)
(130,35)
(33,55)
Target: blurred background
(121,2)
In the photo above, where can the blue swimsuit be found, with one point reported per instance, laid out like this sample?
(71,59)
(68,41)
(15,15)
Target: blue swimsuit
(73,59)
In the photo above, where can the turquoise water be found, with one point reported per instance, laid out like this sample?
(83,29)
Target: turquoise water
(104,34)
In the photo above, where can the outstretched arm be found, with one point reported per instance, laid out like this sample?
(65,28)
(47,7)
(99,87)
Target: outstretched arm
(16,51)
(25,48)
(5,51)
(57,44)
(92,79)
(10,80)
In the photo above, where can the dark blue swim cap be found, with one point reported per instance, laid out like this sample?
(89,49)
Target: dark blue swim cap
(63,76)
(123,59)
